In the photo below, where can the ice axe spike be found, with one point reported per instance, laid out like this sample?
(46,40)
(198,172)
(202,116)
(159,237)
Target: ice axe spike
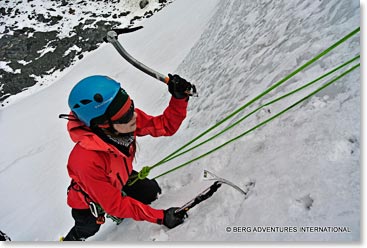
(112,38)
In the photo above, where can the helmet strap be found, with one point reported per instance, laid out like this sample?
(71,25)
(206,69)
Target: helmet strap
(68,117)
(111,128)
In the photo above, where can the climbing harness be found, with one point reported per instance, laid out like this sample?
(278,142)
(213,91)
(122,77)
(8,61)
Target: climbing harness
(96,209)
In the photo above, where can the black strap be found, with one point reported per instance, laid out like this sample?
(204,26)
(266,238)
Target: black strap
(72,185)
(94,207)
(68,117)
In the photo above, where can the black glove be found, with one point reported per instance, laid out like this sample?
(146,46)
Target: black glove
(171,219)
(178,86)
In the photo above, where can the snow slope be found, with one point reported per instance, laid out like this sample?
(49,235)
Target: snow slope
(303,168)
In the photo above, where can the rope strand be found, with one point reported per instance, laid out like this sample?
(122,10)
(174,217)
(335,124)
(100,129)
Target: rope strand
(277,84)
(262,106)
(261,124)
(145,171)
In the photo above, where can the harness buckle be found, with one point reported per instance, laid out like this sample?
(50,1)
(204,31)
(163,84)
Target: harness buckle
(97,212)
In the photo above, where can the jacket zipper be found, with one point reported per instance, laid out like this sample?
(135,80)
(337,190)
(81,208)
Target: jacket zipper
(127,171)
(119,178)
(126,167)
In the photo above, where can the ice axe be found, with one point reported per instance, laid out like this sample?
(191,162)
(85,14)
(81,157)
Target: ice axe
(208,192)
(112,38)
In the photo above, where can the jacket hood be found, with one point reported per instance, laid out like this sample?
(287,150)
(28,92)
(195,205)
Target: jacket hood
(83,135)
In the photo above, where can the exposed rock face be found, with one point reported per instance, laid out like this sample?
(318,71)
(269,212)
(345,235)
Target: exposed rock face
(28,53)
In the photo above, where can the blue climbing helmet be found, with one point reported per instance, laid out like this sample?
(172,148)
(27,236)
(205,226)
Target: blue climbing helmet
(95,99)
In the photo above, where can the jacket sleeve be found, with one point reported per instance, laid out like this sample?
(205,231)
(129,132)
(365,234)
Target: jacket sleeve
(96,184)
(163,125)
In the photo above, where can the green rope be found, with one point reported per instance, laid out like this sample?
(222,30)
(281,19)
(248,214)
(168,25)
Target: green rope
(145,171)
(264,105)
(308,63)
(262,123)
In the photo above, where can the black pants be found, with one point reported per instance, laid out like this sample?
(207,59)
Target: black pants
(4,237)
(145,191)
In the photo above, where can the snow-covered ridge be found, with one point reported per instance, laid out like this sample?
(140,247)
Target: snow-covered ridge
(42,38)
(63,16)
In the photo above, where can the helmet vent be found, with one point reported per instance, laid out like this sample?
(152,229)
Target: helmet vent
(85,102)
(76,106)
(98,97)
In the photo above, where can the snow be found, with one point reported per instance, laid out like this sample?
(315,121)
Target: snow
(23,62)
(73,48)
(5,67)
(72,15)
(47,49)
(302,170)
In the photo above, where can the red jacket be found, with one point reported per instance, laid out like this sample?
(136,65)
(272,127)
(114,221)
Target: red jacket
(101,170)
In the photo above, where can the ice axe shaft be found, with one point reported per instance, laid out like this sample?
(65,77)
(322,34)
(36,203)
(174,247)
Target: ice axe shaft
(112,38)
(207,193)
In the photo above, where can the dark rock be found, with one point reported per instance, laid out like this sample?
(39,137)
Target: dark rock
(26,44)
(143,3)
(41,18)
(106,15)
(148,14)
(71,11)
(55,20)
(2,11)
(17,12)
(64,3)
(134,19)
(89,21)
(124,13)
(9,10)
